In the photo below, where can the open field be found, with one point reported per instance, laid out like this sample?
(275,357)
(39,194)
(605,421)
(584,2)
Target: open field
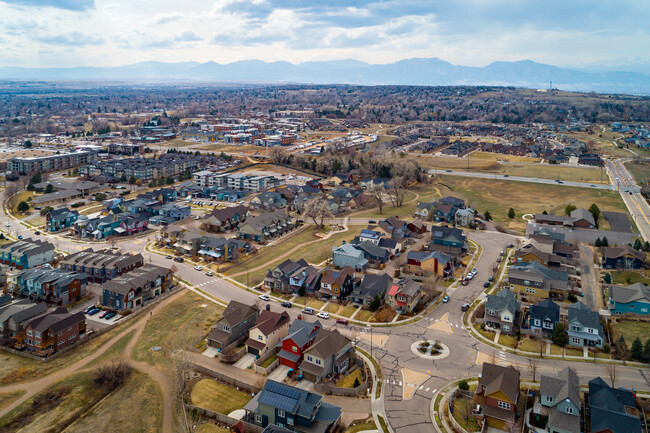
(631,277)
(217,397)
(138,403)
(630,330)
(640,172)
(211,428)
(179,323)
(6,398)
(177,142)
(114,352)
(426,193)
(497,196)
(233,149)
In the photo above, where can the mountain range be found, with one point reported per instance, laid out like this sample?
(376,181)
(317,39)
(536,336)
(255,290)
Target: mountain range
(416,71)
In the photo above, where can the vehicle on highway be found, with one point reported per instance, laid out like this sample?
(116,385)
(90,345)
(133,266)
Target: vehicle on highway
(323,315)
(465,307)
(264,298)
(506,175)
(89,309)
(308,310)
(37,232)
(372,222)
(168,257)
(179,259)
(486,284)
(110,315)
(445,299)
(104,314)
(342,321)
(94,311)
(286,304)
(198,268)
(593,186)
(209,274)
(448,171)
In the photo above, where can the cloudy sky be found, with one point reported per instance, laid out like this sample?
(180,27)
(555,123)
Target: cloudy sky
(44,33)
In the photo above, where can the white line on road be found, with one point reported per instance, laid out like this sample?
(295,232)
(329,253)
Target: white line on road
(434,391)
(427,390)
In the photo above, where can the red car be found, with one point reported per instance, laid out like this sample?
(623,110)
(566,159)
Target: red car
(342,321)
(104,314)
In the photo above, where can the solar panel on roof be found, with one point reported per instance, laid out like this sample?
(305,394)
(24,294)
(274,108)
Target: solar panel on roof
(278,401)
(282,389)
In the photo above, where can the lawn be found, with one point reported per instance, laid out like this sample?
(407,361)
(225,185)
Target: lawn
(364,315)
(177,142)
(630,330)
(631,277)
(216,147)
(350,378)
(348,310)
(487,334)
(211,428)
(270,360)
(640,172)
(178,324)
(332,307)
(315,303)
(529,345)
(137,404)
(217,397)
(556,350)
(507,340)
(404,211)
(568,351)
(463,414)
(497,196)
(361,427)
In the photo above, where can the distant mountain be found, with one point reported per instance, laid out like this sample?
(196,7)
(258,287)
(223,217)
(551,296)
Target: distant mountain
(417,71)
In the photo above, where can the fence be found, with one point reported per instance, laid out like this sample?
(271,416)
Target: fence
(224,378)
(258,362)
(230,353)
(327,388)
(223,418)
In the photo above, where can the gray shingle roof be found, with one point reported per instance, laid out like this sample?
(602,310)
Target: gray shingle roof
(584,315)
(632,293)
(503,300)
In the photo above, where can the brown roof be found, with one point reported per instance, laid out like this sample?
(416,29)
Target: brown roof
(616,252)
(256,344)
(328,343)
(498,378)
(269,321)
(235,312)
(57,320)
(329,275)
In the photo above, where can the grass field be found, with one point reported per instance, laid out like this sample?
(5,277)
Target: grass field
(114,352)
(178,324)
(630,330)
(640,172)
(348,310)
(350,378)
(233,149)
(556,350)
(507,340)
(270,360)
(212,395)
(6,398)
(364,315)
(463,414)
(631,277)
(211,428)
(363,426)
(177,142)
(570,351)
(528,345)
(138,403)
(497,196)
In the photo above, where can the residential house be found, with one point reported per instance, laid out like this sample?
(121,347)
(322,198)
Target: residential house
(529,254)
(372,286)
(559,398)
(535,279)
(502,311)
(458,203)
(292,408)
(372,236)
(497,395)
(102,265)
(53,286)
(417,228)
(132,290)
(633,299)
(300,336)
(404,296)
(425,211)
(58,219)
(348,255)
(584,327)
(362,201)
(429,263)
(268,200)
(336,285)
(448,236)
(13,315)
(444,212)
(54,331)
(612,410)
(266,226)
(331,353)
(373,253)
(394,228)
(391,245)
(267,332)
(234,324)
(623,257)
(218,249)
(225,219)
(26,253)
(278,279)
(544,316)
(465,217)
(581,218)
(307,278)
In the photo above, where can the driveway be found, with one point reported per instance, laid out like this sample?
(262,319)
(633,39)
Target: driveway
(246,361)
(589,278)
(280,373)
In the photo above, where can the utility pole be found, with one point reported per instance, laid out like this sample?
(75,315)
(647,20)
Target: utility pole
(247,286)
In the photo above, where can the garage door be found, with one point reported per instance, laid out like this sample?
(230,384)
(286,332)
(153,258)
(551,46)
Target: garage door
(253,350)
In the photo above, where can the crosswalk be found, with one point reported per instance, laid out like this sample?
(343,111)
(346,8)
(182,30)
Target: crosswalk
(502,357)
(205,283)
(431,319)
(399,383)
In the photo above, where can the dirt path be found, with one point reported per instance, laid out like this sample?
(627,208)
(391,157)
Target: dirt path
(34,387)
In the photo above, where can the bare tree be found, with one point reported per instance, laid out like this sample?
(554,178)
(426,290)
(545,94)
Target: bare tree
(612,372)
(318,210)
(397,191)
(377,191)
(10,195)
(276,154)
(532,367)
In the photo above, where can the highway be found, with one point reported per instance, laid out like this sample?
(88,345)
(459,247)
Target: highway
(631,194)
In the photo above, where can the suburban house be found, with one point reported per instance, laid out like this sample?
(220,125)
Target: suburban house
(263,227)
(633,299)
(225,219)
(502,311)
(465,217)
(292,408)
(60,219)
(26,253)
(269,329)
(529,254)
(12,316)
(623,257)
(100,266)
(132,290)
(233,325)
(497,396)
(458,203)
(535,279)
(584,327)
(348,255)
(268,200)
(612,410)
(336,285)
(51,332)
(278,279)
(550,245)
(448,236)
(217,249)
(307,278)
(559,398)
(425,211)
(579,218)
(405,295)
(331,353)
(444,212)
(300,336)
(372,286)
(429,263)
(54,286)
(373,253)
(544,316)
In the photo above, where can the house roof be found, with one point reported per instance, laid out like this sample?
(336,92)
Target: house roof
(56,321)
(268,321)
(406,287)
(582,214)
(348,250)
(236,311)
(21,310)
(636,292)
(545,310)
(372,285)
(136,279)
(447,233)
(373,250)
(328,343)
(584,315)
(497,378)
(297,401)
(503,300)
(609,408)
(301,331)
(616,252)
(565,385)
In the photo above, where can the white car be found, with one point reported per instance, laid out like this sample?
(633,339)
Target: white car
(323,315)
(264,298)
(7,225)
(209,274)
(198,268)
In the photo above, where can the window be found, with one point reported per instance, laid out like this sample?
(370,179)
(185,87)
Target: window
(506,328)
(290,421)
(37,334)
(491,312)
(569,410)
(549,399)
(537,322)
(309,358)
(506,317)
(590,330)
(576,328)
(280,413)
(318,361)
(280,425)
(294,349)
(575,340)
(260,337)
(526,283)
(29,332)
(226,328)
(504,405)
(258,419)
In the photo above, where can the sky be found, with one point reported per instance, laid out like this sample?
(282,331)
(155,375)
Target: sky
(567,33)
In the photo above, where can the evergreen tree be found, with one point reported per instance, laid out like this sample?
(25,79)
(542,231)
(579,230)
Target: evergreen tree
(511,213)
(646,351)
(607,278)
(375,303)
(598,243)
(638,244)
(560,337)
(569,208)
(595,211)
(637,349)
(487,216)
(605,242)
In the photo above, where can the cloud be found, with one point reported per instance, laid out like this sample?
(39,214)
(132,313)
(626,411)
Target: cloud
(166,19)
(71,39)
(73,5)
(185,37)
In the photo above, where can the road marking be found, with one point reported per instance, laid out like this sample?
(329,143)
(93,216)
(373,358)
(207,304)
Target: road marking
(421,387)
(427,390)
(462,327)
(400,383)
(434,391)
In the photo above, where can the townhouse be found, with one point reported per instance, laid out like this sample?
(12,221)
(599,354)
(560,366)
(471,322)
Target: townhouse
(53,286)
(132,290)
(102,265)
(57,330)
(233,325)
(26,253)
(59,219)
(225,219)
(14,315)
(265,227)
(336,285)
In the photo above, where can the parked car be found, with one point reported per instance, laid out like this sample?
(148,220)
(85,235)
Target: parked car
(198,268)
(20,236)
(209,274)
(89,309)
(445,299)
(104,314)
(264,298)
(474,271)
(372,222)
(308,310)
(168,257)
(490,278)
(465,281)
(7,225)
(342,321)
(464,307)
(38,232)
(94,311)
(286,304)
(323,315)
(486,284)
(511,245)
(110,315)
(179,259)
(499,259)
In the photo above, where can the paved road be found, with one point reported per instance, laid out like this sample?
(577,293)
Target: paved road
(630,193)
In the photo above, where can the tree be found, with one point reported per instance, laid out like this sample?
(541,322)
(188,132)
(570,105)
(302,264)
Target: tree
(612,372)
(532,367)
(27,144)
(463,385)
(45,210)
(595,211)
(132,180)
(621,347)
(638,245)
(318,210)
(607,278)
(301,291)
(487,216)
(377,191)
(31,187)
(598,242)
(397,191)
(100,196)
(569,208)
(604,242)
(49,188)
(169,180)
(356,382)
(276,154)
(23,206)
(511,213)
(11,196)
(637,349)
(646,351)
(560,337)
(375,303)
(36,178)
